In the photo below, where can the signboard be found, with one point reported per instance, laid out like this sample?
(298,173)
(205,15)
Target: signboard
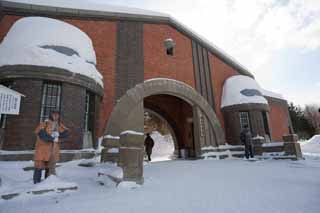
(9,101)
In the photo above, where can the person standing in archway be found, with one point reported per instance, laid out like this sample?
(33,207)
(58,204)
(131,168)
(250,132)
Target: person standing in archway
(47,149)
(148,143)
(246,139)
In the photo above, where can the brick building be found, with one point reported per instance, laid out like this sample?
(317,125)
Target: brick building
(147,61)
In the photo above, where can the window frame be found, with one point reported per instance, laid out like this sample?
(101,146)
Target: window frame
(247,117)
(54,89)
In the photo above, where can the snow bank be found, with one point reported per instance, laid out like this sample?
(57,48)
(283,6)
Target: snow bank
(112,170)
(241,89)
(273,144)
(131,132)
(315,139)
(48,42)
(188,186)
(128,185)
(225,146)
(311,148)
(53,182)
(217,155)
(111,137)
(163,147)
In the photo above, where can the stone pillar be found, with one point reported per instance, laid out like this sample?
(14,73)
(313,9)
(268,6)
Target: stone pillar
(131,156)
(291,145)
(109,154)
(257,145)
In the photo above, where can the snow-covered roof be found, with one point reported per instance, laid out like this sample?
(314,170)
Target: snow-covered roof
(240,89)
(49,42)
(271,94)
(101,9)
(91,5)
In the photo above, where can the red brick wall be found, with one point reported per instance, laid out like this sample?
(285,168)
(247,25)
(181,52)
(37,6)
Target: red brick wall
(278,119)
(157,64)
(220,72)
(103,36)
(5,25)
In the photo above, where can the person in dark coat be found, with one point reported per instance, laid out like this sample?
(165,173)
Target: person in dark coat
(246,139)
(148,143)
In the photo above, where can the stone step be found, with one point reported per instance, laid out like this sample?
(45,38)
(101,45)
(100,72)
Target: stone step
(38,192)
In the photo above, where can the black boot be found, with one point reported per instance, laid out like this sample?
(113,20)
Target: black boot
(37,175)
(46,174)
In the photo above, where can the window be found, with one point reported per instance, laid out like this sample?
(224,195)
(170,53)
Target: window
(51,98)
(3,119)
(169,45)
(265,122)
(89,112)
(244,120)
(170,51)
(86,113)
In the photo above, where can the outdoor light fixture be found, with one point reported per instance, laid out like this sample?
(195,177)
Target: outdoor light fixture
(169,45)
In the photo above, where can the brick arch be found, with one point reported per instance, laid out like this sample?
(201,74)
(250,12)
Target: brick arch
(128,111)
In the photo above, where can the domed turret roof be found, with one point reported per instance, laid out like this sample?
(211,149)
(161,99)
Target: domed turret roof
(49,42)
(240,89)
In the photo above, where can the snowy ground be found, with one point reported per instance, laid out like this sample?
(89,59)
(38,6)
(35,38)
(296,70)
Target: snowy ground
(163,147)
(311,147)
(232,185)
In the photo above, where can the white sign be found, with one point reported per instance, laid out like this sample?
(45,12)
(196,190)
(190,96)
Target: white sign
(9,101)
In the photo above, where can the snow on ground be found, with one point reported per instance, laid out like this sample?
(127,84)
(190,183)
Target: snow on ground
(163,147)
(311,147)
(232,185)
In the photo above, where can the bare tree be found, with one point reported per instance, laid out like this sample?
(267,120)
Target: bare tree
(311,113)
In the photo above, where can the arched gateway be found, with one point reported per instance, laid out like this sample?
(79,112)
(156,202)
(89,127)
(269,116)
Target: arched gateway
(129,109)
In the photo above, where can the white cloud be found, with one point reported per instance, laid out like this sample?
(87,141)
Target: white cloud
(250,31)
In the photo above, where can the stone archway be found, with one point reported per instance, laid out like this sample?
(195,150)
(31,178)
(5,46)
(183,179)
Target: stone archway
(126,123)
(128,111)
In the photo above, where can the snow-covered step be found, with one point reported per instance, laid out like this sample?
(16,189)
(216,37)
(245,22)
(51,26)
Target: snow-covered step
(51,184)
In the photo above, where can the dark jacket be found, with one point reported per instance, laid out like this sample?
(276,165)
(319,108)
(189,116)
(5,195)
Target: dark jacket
(246,137)
(148,143)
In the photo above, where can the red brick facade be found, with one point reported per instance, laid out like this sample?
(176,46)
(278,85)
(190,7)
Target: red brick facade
(278,118)
(220,72)
(157,64)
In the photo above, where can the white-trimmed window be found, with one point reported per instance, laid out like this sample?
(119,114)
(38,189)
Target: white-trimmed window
(89,112)
(86,114)
(244,120)
(51,99)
